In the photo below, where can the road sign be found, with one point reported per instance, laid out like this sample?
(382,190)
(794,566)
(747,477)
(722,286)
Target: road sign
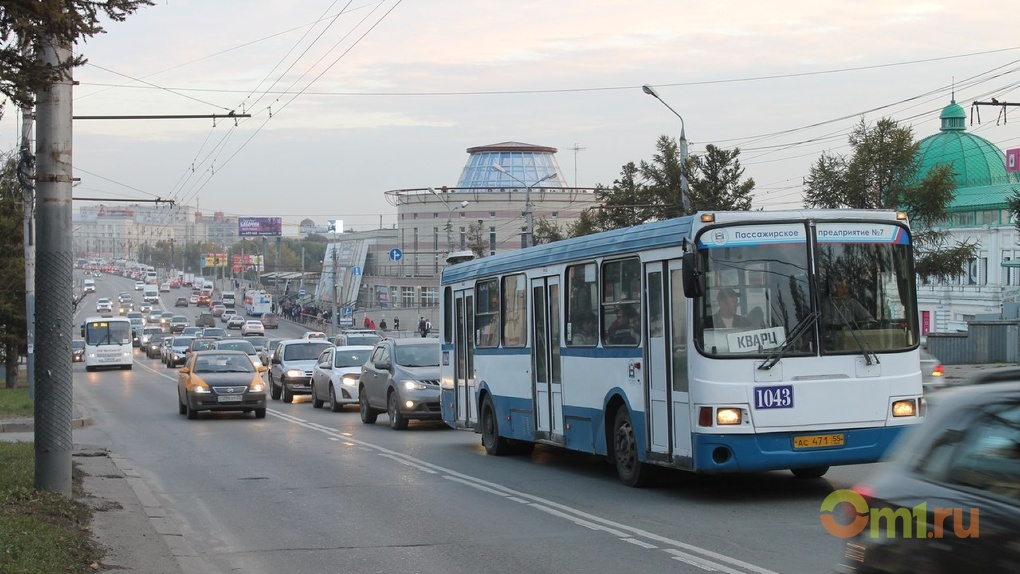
(348,310)
(302,293)
(356,270)
(396,254)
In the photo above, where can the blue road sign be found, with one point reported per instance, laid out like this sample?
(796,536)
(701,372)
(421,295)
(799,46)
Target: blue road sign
(302,293)
(356,270)
(348,310)
(396,254)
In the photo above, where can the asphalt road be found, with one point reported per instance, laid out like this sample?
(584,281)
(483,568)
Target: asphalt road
(308,490)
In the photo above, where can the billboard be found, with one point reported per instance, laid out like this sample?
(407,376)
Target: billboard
(254,226)
(1013,160)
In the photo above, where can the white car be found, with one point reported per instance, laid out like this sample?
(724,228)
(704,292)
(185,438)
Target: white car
(104,305)
(313,335)
(139,285)
(235,322)
(335,376)
(193,299)
(252,328)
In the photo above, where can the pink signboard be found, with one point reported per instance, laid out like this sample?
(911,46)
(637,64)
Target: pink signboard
(1013,160)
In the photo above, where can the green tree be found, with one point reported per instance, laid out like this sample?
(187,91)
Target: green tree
(477,240)
(547,231)
(882,172)
(13,326)
(25,25)
(715,181)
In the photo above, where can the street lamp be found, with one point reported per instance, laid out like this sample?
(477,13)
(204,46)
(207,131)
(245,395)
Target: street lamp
(529,238)
(449,218)
(682,144)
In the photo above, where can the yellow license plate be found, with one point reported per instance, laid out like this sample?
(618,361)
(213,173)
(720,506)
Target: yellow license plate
(818,440)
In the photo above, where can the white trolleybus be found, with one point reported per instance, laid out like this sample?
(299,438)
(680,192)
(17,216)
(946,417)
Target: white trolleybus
(718,342)
(107,343)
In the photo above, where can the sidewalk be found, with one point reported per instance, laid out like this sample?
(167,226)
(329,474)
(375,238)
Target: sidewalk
(128,521)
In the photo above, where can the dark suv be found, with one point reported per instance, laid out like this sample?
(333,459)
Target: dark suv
(401,378)
(205,319)
(290,368)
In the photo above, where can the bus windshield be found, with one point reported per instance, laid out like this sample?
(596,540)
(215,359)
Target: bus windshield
(759,289)
(107,333)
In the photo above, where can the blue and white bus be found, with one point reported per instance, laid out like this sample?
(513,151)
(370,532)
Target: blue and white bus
(108,343)
(717,342)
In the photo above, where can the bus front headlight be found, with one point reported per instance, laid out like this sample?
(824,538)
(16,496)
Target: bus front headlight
(727,416)
(904,408)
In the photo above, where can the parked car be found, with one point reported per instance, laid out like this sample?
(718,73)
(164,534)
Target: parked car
(239,345)
(931,372)
(357,337)
(290,368)
(235,321)
(177,352)
(77,351)
(220,381)
(401,378)
(335,376)
(270,320)
(181,302)
(964,458)
(252,328)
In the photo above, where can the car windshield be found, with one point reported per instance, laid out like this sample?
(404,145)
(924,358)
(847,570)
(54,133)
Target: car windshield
(363,339)
(214,332)
(351,358)
(182,341)
(179,319)
(201,345)
(418,355)
(78,344)
(225,363)
(304,351)
(236,346)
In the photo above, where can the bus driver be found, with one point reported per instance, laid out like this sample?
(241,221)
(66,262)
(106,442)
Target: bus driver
(726,317)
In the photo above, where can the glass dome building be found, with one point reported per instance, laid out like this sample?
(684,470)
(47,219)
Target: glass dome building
(523,165)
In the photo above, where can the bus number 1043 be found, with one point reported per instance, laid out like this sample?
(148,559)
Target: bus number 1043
(780,397)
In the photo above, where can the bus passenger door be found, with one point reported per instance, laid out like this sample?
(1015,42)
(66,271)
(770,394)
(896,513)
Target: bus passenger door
(464,359)
(545,357)
(657,364)
(676,313)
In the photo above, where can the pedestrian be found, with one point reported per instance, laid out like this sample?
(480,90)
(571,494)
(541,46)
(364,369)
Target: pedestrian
(396,324)
(382,324)
(422,327)
(367,321)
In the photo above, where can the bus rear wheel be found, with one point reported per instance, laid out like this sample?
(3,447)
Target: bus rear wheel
(493,443)
(629,467)
(810,472)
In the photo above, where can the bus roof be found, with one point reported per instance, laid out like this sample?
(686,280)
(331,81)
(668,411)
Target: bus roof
(654,235)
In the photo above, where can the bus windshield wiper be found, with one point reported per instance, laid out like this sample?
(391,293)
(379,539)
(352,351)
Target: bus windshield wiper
(854,329)
(797,332)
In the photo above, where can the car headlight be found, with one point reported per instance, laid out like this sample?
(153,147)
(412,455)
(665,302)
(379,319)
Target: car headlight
(349,380)
(200,388)
(257,387)
(414,386)
(294,373)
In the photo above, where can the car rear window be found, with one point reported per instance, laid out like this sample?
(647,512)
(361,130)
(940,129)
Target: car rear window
(304,351)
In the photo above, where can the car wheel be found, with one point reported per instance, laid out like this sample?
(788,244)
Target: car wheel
(89,369)
(286,394)
(274,391)
(397,420)
(631,470)
(810,472)
(368,414)
(260,413)
(192,413)
(333,405)
(181,409)
(493,443)
(316,401)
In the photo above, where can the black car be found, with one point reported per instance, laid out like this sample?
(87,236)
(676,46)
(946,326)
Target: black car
(77,351)
(181,302)
(948,500)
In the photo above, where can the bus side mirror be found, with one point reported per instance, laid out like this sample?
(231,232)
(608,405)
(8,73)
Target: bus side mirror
(693,276)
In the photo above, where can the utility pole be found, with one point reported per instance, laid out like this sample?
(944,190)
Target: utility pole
(54,392)
(333,317)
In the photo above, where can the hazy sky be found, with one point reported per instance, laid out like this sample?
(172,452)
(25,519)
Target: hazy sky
(351,99)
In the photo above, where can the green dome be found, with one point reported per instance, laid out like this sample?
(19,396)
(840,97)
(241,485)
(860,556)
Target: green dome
(975,160)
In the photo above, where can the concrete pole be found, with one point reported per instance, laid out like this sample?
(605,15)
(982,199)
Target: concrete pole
(333,318)
(54,392)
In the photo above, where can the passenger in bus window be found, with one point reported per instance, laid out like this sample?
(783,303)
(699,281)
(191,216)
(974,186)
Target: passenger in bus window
(726,317)
(625,328)
(583,330)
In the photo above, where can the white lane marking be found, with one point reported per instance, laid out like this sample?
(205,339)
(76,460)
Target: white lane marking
(409,463)
(708,557)
(641,543)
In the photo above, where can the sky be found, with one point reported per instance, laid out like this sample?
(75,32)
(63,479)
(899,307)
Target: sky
(351,99)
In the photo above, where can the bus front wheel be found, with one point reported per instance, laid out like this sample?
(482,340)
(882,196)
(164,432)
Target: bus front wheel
(629,467)
(493,443)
